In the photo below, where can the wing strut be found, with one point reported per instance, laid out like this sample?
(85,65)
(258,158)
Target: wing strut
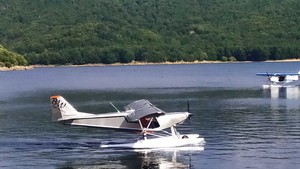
(114,106)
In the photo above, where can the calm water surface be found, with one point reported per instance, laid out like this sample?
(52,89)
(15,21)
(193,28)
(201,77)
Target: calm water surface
(244,125)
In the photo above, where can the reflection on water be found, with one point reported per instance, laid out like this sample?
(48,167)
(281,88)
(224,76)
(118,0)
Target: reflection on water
(283,95)
(284,92)
(167,158)
(160,159)
(164,160)
(292,93)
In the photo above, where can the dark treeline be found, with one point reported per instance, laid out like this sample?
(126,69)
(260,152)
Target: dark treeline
(100,31)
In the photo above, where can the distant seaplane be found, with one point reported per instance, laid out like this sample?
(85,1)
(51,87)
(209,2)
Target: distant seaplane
(140,116)
(280,79)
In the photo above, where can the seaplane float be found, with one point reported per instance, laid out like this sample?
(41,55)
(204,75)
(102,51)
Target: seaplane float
(280,79)
(140,115)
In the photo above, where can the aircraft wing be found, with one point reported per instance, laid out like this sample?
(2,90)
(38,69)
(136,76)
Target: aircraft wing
(142,108)
(276,74)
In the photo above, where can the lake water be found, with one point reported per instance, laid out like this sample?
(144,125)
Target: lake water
(244,125)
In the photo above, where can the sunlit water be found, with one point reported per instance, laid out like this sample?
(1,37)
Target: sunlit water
(244,125)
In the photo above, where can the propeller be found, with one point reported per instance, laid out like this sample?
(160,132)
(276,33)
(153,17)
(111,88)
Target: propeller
(188,110)
(188,105)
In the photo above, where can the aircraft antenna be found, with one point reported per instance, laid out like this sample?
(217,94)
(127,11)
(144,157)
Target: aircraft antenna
(114,106)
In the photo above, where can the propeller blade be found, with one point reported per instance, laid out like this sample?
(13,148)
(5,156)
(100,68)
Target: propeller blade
(188,110)
(188,105)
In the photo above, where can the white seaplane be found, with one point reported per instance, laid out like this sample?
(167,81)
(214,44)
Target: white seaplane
(280,79)
(140,115)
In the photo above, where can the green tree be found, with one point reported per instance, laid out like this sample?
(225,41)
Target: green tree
(10,59)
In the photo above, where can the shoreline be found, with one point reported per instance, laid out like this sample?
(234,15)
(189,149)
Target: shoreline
(134,63)
(16,68)
(131,64)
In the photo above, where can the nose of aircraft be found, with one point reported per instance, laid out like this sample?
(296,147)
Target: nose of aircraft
(172,118)
(182,116)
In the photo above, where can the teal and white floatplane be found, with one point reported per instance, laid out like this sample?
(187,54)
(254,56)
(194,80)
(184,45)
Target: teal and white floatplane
(280,79)
(140,116)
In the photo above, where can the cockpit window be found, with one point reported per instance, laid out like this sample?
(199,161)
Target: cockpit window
(146,120)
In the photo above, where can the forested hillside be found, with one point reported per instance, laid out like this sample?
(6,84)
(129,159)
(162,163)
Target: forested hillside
(109,31)
(9,59)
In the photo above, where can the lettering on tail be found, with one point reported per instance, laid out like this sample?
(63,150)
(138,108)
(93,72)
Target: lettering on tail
(58,104)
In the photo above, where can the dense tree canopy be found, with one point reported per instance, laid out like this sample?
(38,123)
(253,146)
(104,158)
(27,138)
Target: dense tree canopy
(9,59)
(101,31)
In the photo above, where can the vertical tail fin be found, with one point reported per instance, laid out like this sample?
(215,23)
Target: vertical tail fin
(61,109)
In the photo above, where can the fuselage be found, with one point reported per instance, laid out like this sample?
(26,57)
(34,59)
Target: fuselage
(138,115)
(118,120)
